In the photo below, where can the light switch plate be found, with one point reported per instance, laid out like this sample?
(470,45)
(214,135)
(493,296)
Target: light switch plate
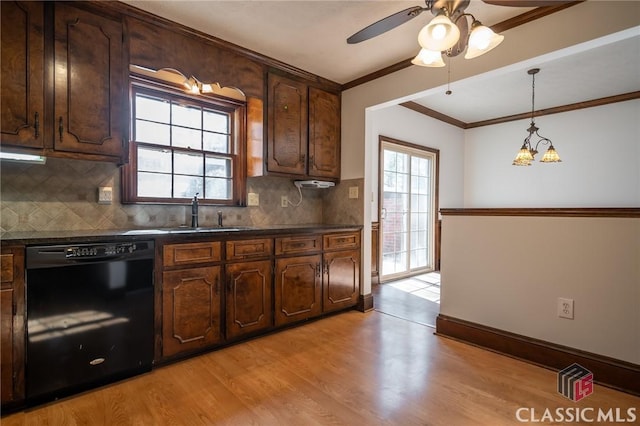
(253,199)
(353,192)
(105,195)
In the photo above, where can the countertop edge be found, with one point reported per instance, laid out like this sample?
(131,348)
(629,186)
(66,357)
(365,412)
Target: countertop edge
(61,237)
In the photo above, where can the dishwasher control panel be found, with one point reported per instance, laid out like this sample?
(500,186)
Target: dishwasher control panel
(100,250)
(59,255)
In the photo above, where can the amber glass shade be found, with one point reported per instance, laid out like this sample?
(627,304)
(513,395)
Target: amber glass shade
(551,156)
(524,157)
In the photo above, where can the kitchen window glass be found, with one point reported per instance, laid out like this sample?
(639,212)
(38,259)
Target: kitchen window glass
(182,145)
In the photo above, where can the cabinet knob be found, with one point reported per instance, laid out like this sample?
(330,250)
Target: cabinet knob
(60,127)
(36,124)
(286,107)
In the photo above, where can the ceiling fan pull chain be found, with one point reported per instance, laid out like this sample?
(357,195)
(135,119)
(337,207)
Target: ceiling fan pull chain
(448,92)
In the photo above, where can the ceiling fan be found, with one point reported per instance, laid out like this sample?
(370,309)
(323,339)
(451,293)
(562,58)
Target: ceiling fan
(447,33)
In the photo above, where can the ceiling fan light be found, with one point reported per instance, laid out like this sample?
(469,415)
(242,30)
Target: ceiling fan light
(481,40)
(439,34)
(551,156)
(428,58)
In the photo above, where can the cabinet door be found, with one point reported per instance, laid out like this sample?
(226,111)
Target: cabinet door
(12,325)
(22,75)
(190,309)
(286,126)
(341,283)
(89,83)
(248,296)
(324,134)
(298,289)
(6,342)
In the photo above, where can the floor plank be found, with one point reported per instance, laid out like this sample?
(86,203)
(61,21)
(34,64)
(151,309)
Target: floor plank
(405,305)
(349,369)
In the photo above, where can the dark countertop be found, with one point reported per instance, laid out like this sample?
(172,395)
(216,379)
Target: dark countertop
(180,233)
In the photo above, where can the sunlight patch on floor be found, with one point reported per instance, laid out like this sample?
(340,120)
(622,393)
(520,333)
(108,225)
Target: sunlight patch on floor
(426,286)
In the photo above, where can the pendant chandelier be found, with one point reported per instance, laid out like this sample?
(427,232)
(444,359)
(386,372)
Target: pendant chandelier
(527,152)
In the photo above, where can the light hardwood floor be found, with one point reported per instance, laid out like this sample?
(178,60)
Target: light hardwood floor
(349,369)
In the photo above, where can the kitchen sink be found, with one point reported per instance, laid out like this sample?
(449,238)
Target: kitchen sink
(187,230)
(184,230)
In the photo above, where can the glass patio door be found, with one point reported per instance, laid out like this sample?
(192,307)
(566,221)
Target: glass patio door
(407,209)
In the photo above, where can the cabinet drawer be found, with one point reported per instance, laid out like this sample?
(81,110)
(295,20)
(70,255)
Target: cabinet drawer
(294,245)
(342,241)
(247,249)
(183,254)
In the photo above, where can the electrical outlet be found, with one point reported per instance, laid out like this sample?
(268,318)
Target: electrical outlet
(565,308)
(353,192)
(284,201)
(105,195)
(253,199)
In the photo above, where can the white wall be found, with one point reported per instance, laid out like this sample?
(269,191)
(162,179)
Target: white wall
(409,126)
(600,152)
(507,273)
(521,43)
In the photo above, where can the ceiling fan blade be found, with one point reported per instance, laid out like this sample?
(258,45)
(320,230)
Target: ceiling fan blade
(526,3)
(386,24)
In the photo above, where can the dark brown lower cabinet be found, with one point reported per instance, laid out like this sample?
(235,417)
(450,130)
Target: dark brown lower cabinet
(341,281)
(298,289)
(12,312)
(191,309)
(248,297)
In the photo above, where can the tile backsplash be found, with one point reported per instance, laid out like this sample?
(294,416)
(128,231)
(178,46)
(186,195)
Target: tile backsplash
(63,195)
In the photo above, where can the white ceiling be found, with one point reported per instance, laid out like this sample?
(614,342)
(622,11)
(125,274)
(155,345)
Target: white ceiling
(311,35)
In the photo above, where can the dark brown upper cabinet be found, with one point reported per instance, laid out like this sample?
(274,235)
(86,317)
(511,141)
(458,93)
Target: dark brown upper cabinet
(22,75)
(63,81)
(89,82)
(324,134)
(287,117)
(303,131)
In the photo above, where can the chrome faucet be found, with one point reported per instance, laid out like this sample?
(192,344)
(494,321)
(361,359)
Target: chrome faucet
(219,218)
(194,211)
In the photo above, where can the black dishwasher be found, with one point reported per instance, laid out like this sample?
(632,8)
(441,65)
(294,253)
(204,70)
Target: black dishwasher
(89,316)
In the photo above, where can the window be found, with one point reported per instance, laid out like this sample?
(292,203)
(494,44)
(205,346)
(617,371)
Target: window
(183,145)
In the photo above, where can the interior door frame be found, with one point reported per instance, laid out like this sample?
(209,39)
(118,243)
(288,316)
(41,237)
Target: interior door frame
(436,196)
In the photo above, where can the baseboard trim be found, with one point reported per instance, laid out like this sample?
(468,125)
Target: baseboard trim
(610,372)
(365,303)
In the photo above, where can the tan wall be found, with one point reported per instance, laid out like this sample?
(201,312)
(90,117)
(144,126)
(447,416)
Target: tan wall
(62,195)
(508,272)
